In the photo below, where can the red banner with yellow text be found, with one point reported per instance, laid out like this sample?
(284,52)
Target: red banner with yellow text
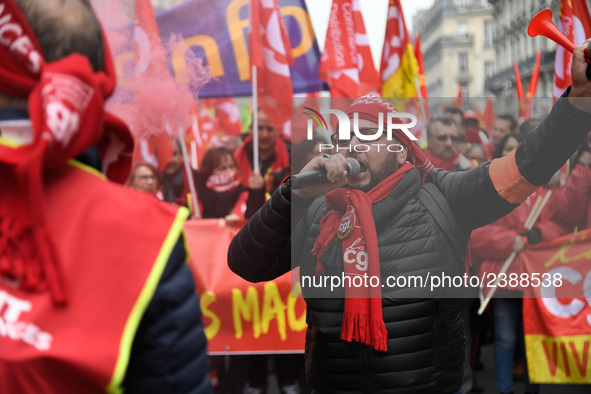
(242,317)
(557,322)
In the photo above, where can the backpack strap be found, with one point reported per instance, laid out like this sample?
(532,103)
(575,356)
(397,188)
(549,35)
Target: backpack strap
(439,208)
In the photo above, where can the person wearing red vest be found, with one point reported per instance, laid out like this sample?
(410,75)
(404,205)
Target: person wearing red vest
(95,294)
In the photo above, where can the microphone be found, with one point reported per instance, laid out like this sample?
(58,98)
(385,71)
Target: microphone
(318,175)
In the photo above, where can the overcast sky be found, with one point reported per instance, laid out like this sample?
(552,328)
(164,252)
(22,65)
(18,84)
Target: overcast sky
(374,17)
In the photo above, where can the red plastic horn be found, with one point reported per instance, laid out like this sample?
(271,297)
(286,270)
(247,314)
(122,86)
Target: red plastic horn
(542,25)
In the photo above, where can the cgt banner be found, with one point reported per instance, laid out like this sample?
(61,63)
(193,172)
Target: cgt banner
(242,317)
(217,32)
(557,322)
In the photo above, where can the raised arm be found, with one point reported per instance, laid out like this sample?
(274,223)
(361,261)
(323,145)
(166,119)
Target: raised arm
(482,195)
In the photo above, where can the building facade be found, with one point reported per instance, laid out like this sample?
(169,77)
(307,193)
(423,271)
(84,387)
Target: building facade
(513,44)
(457,38)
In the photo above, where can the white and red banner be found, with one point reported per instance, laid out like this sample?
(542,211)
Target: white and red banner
(575,24)
(270,52)
(346,63)
(239,316)
(557,322)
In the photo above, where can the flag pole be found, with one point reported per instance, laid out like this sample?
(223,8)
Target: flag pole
(189,173)
(255,122)
(529,223)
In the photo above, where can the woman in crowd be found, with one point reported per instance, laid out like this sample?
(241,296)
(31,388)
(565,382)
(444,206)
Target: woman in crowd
(144,177)
(219,190)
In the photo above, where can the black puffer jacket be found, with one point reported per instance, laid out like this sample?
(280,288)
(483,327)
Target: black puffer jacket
(425,335)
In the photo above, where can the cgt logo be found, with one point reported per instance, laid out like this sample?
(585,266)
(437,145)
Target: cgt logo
(344,124)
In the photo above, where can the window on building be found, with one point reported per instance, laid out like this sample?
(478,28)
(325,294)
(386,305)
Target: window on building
(462,4)
(462,29)
(489,69)
(463,61)
(488,34)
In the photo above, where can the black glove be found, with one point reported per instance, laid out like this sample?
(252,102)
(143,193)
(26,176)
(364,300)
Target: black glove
(534,236)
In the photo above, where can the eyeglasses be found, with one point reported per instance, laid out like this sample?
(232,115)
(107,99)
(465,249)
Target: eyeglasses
(147,177)
(444,138)
(334,138)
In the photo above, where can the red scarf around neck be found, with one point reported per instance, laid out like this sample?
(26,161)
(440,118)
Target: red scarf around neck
(351,219)
(447,165)
(66,101)
(242,158)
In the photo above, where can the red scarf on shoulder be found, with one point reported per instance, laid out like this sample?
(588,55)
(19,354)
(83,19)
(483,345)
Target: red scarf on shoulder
(66,100)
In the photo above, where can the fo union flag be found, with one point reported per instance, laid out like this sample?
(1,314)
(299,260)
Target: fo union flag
(557,322)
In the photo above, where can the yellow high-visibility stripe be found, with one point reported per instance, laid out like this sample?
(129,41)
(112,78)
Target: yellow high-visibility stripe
(87,168)
(9,142)
(143,300)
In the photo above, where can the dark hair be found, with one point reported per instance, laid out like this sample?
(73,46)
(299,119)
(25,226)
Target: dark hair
(499,150)
(529,125)
(446,120)
(212,158)
(63,27)
(511,119)
(455,111)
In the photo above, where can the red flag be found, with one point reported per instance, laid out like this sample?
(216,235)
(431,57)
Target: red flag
(150,57)
(518,84)
(458,102)
(399,68)
(523,103)
(535,76)
(369,79)
(227,114)
(150,65)
(575,24)
(419,56)
(489,116)
(339,64)
(270,52)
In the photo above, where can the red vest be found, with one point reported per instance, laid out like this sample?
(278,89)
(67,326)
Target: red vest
(113,245)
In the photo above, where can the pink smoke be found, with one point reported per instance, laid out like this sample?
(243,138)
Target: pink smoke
(154,98)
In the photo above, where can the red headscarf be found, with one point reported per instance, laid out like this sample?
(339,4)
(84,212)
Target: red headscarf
(66,105)
(351,220)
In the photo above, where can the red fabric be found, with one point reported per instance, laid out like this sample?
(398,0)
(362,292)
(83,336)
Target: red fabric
(473,137)
(447,165)
(242,158)
(363,319)
(422,77)
(66,107)
(491,245)
(369,108)
(572,13)
(223,182)
(346,63)
(272,57)
(105,268)
(571,204)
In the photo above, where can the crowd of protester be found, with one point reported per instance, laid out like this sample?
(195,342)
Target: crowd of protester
(228,188)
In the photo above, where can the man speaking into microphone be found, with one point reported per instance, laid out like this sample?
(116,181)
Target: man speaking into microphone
(400,218)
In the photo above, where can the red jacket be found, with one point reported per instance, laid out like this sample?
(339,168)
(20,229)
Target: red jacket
(571,204)
(491,245)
